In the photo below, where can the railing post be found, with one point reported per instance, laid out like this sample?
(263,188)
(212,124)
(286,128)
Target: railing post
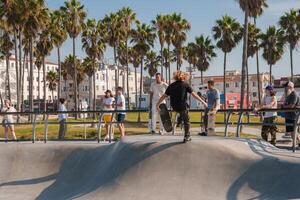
(46,128)
(110,126)
(238,129)
(227,123)
(34,127)
(99,127)
(295,132)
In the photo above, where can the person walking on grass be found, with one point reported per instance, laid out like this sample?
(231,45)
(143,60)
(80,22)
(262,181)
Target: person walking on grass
(108,105)
(291,101)
(62,118)
(269,102)
(157,89)
(213,103)
(8,121)
(177,92)
(121,105)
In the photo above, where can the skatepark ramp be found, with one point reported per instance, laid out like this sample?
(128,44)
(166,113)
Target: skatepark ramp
(149,167)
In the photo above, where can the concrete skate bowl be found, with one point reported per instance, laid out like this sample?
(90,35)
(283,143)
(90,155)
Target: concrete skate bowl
(149,168)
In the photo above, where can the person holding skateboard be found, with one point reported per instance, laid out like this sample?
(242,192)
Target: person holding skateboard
(120,105)
(177,92)
(213,104)
(157,89)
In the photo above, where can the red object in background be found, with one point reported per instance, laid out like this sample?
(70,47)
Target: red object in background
(233,101)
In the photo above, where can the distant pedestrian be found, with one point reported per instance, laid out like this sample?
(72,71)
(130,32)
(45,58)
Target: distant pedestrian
(269,102)
(8,121)
(177,92)
(121,105)
(213,103)
(157,89)
(291,101)
(108,105)
(62,118)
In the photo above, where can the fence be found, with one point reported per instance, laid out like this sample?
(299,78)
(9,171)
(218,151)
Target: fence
(229,112)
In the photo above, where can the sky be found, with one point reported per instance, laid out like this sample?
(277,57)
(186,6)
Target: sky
(202,15)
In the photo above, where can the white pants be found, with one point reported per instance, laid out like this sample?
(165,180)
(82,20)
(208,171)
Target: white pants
(155,114)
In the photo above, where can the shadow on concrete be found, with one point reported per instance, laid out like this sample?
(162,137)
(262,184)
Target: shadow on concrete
(270,177)
(86,170)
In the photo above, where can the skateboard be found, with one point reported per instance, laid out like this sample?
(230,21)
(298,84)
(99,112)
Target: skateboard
(165,117)
(211,121)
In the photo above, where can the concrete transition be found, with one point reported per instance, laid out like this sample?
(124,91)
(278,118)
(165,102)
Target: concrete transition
(149,168)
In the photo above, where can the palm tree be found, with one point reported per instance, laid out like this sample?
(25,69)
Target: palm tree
(253,48)
(143,38)
(135,60)
(58,37)
(205,51)
(52,79)
(74,15)
(290,24)
(180,27)
(38,63)
(152,62)
(191,57)
(159,24)
(169,34)
(94,47)
(272,43)
(251,8)
(64,74)
(128,17)
(228,32)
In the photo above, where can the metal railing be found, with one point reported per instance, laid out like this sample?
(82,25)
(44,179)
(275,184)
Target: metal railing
(229,112)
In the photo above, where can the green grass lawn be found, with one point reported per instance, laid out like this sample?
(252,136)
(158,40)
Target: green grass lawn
(76,131)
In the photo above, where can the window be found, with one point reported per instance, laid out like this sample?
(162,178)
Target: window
(65,89)
(254,84)
(97,76)
(236,84)
(254,94)
(227,85)
(103,77)
(37,88)
(47,68)
(103,87)
(86,88)
(97,87)
(37,78)
(12,65)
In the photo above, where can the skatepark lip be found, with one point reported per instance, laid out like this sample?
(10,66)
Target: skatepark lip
(149,167)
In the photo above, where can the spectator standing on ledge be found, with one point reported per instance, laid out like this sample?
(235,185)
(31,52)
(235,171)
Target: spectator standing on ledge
(8,120)
(121,105)
(291,101)
(269,101)
(178,96)
(108,105)
(62,118)
(157,89)
(213,103)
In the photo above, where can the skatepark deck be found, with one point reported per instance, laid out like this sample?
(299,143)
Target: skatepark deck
(149,167)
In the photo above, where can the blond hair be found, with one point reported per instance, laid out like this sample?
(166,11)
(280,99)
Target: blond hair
(180,76)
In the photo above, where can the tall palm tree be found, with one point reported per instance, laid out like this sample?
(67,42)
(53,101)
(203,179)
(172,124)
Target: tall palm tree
(272,43)
(128,17)
(191,57)
(74,15)
(251,8)
(205,51)
(38,63)
(169,35)
(228,33)
(135,60)
(152,62)
(143,38)
(253,48)
(52,79)
(159,24)
(58,37)
(94,47)
(290,24)
(180,27)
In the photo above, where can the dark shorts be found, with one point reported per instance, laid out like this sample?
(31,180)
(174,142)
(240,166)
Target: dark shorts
(120,118)
(289,128)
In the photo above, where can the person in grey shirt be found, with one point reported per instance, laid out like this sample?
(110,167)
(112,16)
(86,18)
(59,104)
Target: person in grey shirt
(213,103)
(62,118)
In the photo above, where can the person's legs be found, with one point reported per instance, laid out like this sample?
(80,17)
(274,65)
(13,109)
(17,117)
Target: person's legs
(265,130)
(6,132)
(120,120)
(273,131)
(153,119)
(186,123)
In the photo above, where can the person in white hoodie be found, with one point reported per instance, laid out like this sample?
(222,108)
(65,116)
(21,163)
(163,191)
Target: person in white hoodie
(8,120)
(62,118)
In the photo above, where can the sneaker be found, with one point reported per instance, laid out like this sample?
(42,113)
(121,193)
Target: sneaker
(203,134)
(187,139)
(161,132)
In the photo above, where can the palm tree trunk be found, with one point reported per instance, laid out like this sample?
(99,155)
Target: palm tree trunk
(91,91)
(127,76)
(25,62)
(244,62)
(94,91)
(136,90)
(248,96)
(162,61)
(291,59)
(141,88)
(190,81)
(21,71)
(270,74)
(44,87)
(39,93)
(8,79)
(66,91)
(59,74)
(169,64)
(30,78)
(16,65)
(258,72)
(224,84)
(75,79)
(115,65)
